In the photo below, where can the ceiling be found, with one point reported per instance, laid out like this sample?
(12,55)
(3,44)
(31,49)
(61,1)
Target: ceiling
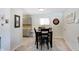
(46,10)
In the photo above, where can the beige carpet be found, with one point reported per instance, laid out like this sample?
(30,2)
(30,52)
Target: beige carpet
(28,44)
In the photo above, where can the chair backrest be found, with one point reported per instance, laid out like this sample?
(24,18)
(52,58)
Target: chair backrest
(35,30)
(45,32)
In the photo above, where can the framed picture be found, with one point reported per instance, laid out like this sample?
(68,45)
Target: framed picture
(17,21)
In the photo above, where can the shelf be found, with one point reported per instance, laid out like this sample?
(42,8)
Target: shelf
(27,24)
(27,28)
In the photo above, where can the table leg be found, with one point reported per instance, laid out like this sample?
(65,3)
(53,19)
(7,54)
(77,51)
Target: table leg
(37,41)
(51,39)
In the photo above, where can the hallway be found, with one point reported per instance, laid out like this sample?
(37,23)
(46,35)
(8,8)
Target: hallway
(29,45)
(17,23)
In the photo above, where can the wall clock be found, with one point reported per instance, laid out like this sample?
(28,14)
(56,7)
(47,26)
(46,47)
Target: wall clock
(56,21)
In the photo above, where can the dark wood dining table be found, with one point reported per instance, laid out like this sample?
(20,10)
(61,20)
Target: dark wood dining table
(50,37)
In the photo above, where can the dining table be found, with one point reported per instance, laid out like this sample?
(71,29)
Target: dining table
(38,32)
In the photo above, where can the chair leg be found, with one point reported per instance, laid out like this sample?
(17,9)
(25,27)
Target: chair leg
(37,45)
(41,44)
(47,45)
(41,47)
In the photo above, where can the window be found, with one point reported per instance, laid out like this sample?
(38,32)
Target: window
(44,21)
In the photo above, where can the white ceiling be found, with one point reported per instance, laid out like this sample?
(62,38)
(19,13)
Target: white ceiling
(46,10)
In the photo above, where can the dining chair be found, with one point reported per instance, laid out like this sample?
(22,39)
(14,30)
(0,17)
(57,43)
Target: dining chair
(44,37)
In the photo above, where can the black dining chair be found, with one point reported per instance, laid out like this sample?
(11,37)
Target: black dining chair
(37,37)
(44,37)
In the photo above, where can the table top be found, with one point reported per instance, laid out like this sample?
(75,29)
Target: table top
(40,31)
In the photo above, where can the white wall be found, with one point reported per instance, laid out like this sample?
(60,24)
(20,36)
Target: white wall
(11,36)
(71,35)
(16,33)
(57,29)
(71,32)
(5,29)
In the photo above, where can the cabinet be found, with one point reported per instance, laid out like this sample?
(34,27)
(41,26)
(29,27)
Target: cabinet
(27,26)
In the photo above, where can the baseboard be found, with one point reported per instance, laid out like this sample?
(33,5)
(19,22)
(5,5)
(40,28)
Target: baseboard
(16,47)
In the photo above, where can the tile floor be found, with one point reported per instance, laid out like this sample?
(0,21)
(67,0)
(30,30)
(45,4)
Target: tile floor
(28,44)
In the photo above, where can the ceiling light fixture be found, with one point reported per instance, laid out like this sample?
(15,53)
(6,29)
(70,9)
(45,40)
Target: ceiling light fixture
(41,9)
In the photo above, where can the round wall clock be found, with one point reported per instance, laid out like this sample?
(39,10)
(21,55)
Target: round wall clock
(56,21)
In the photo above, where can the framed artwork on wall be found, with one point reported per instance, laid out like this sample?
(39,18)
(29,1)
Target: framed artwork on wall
(17,21)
